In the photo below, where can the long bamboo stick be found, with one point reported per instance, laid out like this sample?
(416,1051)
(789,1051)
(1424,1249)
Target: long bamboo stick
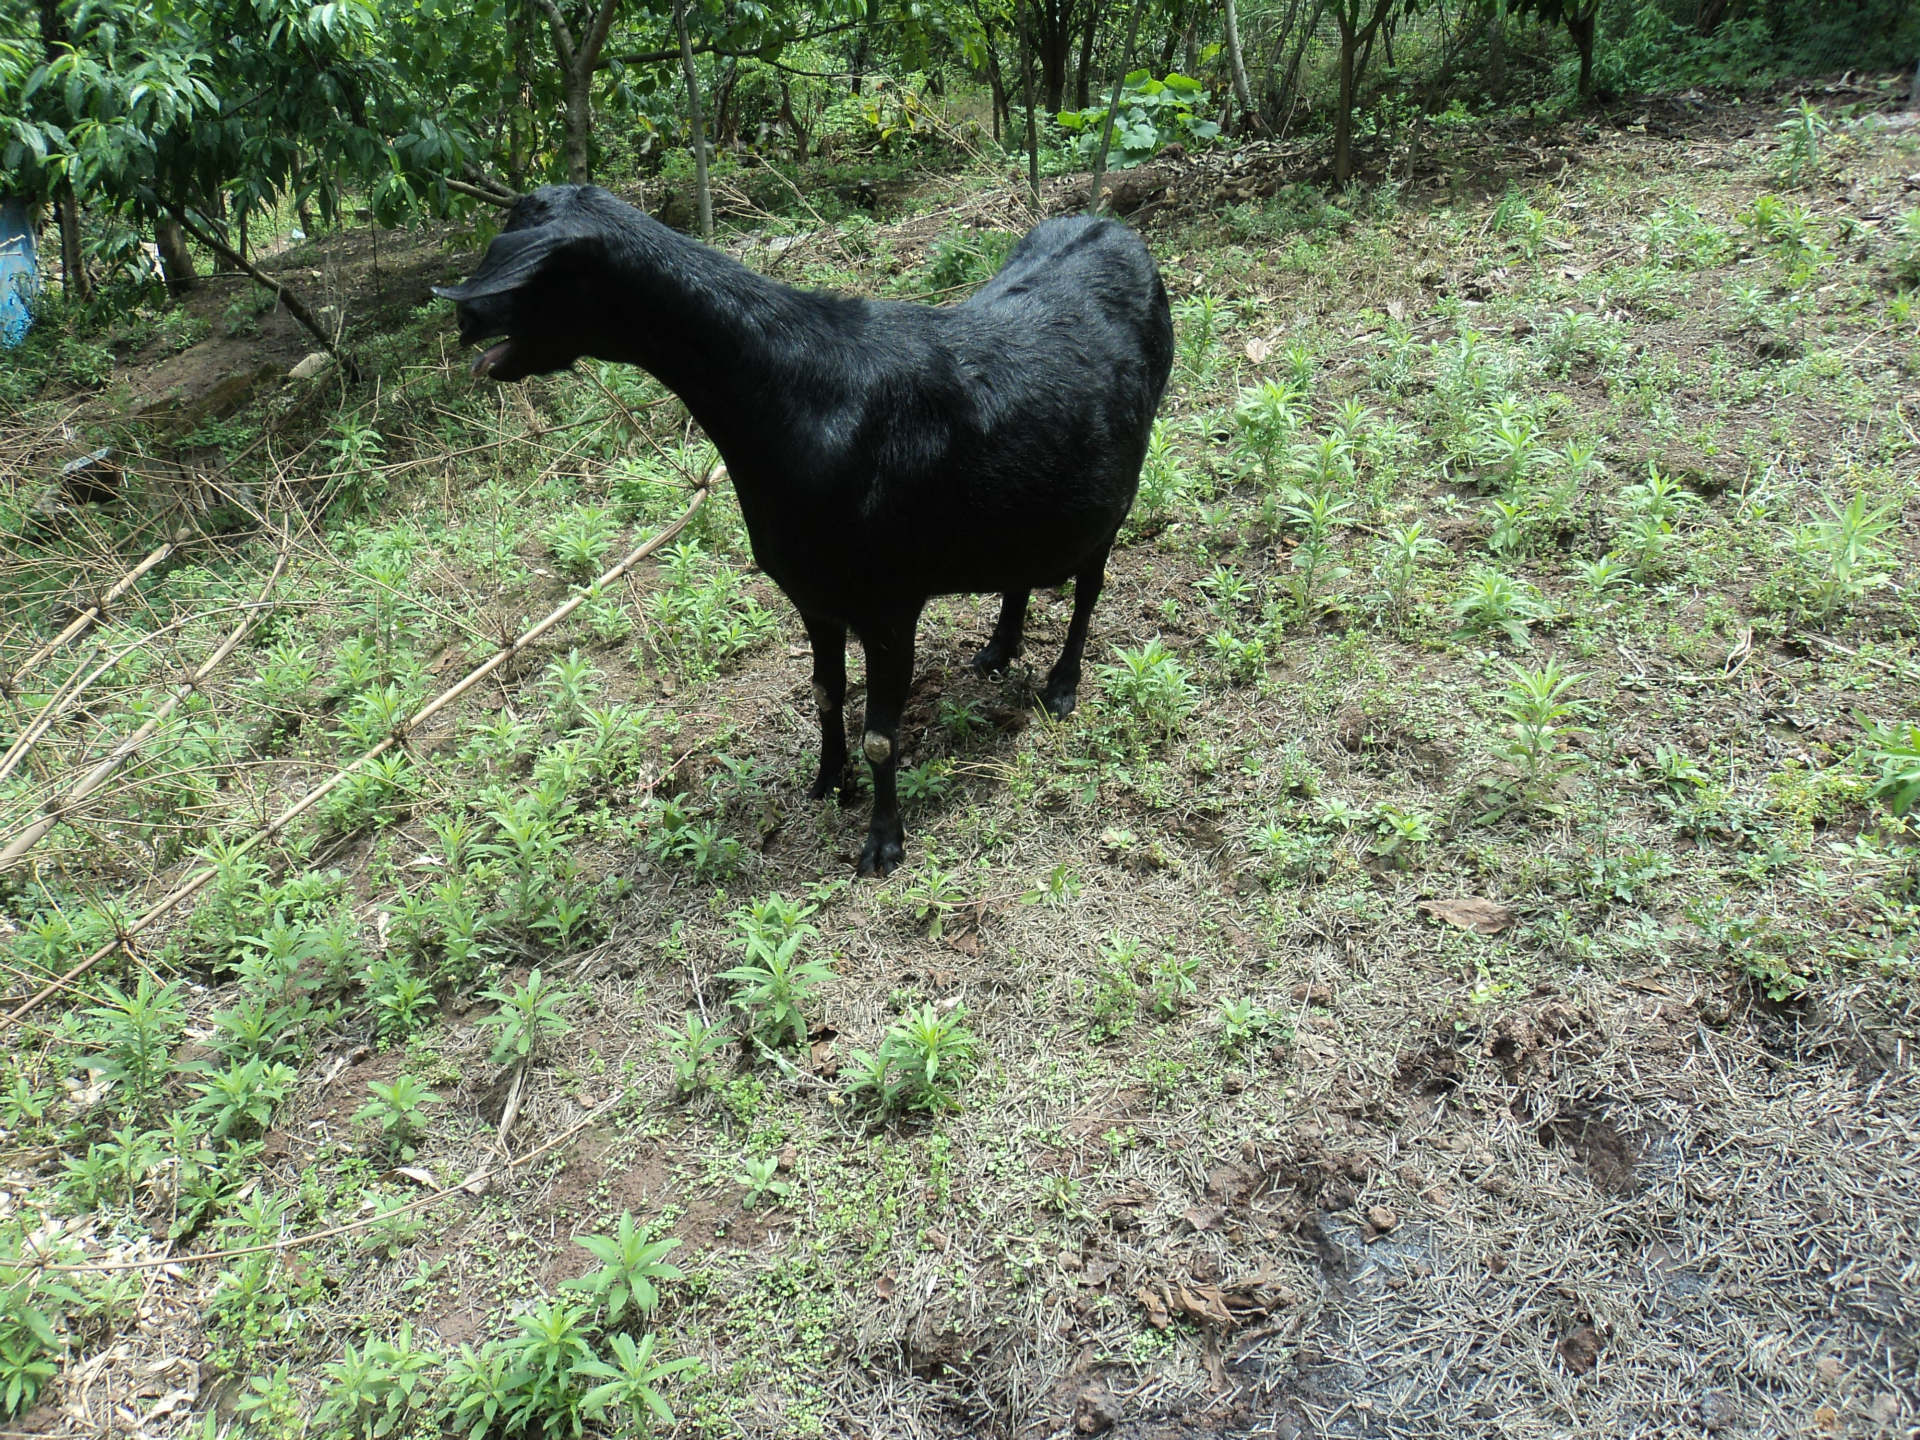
(57,810)
(93,612)
(196,882)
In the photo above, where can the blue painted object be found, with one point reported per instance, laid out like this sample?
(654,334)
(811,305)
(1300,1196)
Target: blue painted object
(19,278)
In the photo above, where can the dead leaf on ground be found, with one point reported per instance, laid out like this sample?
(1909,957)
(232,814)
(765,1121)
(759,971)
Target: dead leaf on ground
(1203,1303)
(884,1286)
(1258,349)
(1470,912)
(1580,1350)
(1204,1217)
(1155,1304)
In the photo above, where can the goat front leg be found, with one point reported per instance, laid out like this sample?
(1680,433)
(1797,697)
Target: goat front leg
(889,648)
(999,651)
(829,639)
(1063,681)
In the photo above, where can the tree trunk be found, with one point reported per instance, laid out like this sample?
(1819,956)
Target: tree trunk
(1343,116)
(73,264)
(1083,77)
(1113,106)
(1497,49)
(1580,27)
(1033,132)
(1176,26)
(703,189)
(176,261)
(794,128)
(578,146)
(1237,66)
(1053,37)
(578,60)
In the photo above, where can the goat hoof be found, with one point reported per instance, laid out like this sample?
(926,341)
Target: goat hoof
(992,659)
(1060,703)
(879,856)
(824,786)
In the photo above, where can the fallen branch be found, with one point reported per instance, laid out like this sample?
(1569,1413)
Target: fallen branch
(87,617)
(472,1185)
(461,187)
(295,306)
(57,810)
(196,882)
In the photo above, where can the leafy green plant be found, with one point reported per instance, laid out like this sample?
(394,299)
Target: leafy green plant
(761,1176)
(1171,983)
(776,982)
(1802,133)
(581,540)
(1152,113)
(528,1018)
(922,1063)
(1199,321)
(375,1392)
(690,1050)
(1152,689)
(1265,419)
(1398,557)
(1113,995)
(401,999)
(1906,255)
(1491,600)
(479,1390)
(632,1267)
(1403,834)
(1845,556)
(703,616)
(1895,752)
(241,1098)
(1540,712)
(1242,1023)
(933,895)
(569,682)
(552,1362)
(1288,852)
(134,1035)
(965,257)
(399,1110)
(633,1382)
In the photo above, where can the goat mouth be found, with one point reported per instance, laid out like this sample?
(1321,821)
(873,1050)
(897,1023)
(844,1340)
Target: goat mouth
(488,360)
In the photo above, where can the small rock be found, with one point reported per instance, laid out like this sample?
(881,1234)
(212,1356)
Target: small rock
(1312,995)
(1716,1410)
(1096,1411)
(1886,1409)
(92,479)
(1830,1368)
(788,1155)
(1234,1084)
(310,367)
(1382,1219)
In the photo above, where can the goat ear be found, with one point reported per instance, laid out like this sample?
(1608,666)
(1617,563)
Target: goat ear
(512,260)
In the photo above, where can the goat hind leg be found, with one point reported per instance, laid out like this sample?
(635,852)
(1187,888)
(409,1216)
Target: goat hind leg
(829,639)
(1063,681)
(999,651)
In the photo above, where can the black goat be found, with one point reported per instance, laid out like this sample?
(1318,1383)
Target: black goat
(882,453)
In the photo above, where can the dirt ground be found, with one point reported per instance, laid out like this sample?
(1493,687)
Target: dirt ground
(1523,1150)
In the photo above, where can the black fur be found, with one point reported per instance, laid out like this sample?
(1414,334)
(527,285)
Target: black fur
(882,453)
